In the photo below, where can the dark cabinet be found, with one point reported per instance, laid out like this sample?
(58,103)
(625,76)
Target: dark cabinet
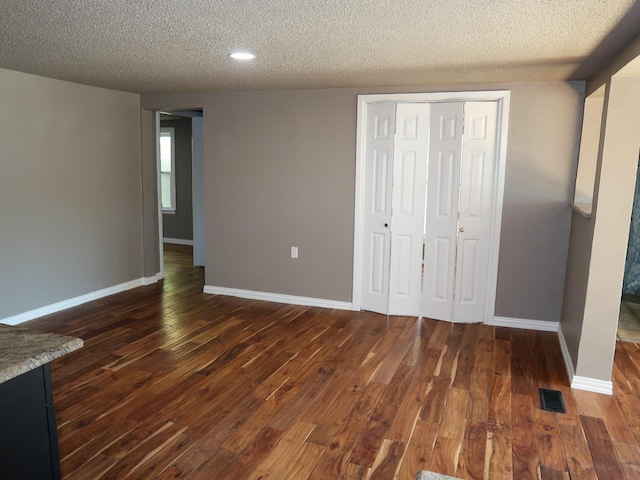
(28,435)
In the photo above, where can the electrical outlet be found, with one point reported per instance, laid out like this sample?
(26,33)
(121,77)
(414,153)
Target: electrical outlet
(294,252)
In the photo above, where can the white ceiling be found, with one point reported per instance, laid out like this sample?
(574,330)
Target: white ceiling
(182,45)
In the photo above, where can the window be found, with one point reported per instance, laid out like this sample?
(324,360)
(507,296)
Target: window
(168,169)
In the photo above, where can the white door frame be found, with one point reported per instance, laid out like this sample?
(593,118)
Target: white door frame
(503,99)
(197,186)
(160,274)
(197,189)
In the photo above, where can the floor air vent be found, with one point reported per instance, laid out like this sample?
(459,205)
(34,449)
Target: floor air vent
(552,401)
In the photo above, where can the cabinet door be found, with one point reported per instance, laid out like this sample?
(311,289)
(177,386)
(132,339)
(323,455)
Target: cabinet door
(28,445)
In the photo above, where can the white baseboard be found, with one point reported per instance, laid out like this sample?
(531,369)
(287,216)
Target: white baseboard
(539,325)
(568,363)
(278,298)
(72,302)
(152,279)
(592,385)
(177,241)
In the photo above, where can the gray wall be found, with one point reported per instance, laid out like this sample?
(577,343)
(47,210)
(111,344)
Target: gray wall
(180,224)
(544,130)
(577,276)
(70,191)
(280,171)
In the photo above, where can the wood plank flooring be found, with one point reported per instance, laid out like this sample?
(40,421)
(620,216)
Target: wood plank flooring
(173,383)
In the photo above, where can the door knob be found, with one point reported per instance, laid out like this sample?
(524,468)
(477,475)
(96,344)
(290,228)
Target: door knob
(462,229)
(386,224)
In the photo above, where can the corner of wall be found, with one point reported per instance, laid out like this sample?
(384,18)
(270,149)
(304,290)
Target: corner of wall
(576,381)
(566,355)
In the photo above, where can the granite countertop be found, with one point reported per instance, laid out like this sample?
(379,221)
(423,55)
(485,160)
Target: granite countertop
(23,349)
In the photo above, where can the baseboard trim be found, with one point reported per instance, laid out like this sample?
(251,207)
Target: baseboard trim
(568,363)
(152,279)
(539,325)
(72,302)
(592,385)
(177,241)
(278,298)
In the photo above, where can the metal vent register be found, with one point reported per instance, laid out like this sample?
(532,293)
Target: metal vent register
(552,401)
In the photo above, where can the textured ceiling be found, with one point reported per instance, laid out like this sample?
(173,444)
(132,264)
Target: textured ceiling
(182,45)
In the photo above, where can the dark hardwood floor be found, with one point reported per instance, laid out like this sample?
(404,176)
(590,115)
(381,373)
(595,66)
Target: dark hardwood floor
(173,383)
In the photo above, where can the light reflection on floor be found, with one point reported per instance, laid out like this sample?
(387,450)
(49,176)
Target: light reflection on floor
(180,277)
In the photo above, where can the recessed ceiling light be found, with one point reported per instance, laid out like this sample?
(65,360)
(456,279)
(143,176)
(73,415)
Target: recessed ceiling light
(242,56)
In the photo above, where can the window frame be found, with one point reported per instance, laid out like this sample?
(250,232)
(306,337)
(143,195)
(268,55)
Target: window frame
(171,133)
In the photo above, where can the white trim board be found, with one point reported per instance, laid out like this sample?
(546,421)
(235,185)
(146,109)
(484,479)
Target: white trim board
(278,298)
(72,302)
(159,196)
(197,189)
(566,355)
(540,325)
(152,279)
(177,241)
(592,385)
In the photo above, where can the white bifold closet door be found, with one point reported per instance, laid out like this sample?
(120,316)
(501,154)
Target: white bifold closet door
(396,160)
(460,199)
(411,147)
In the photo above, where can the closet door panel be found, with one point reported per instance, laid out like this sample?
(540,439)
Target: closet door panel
(443,189)
(477,199)
(408,205)
(377,221)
